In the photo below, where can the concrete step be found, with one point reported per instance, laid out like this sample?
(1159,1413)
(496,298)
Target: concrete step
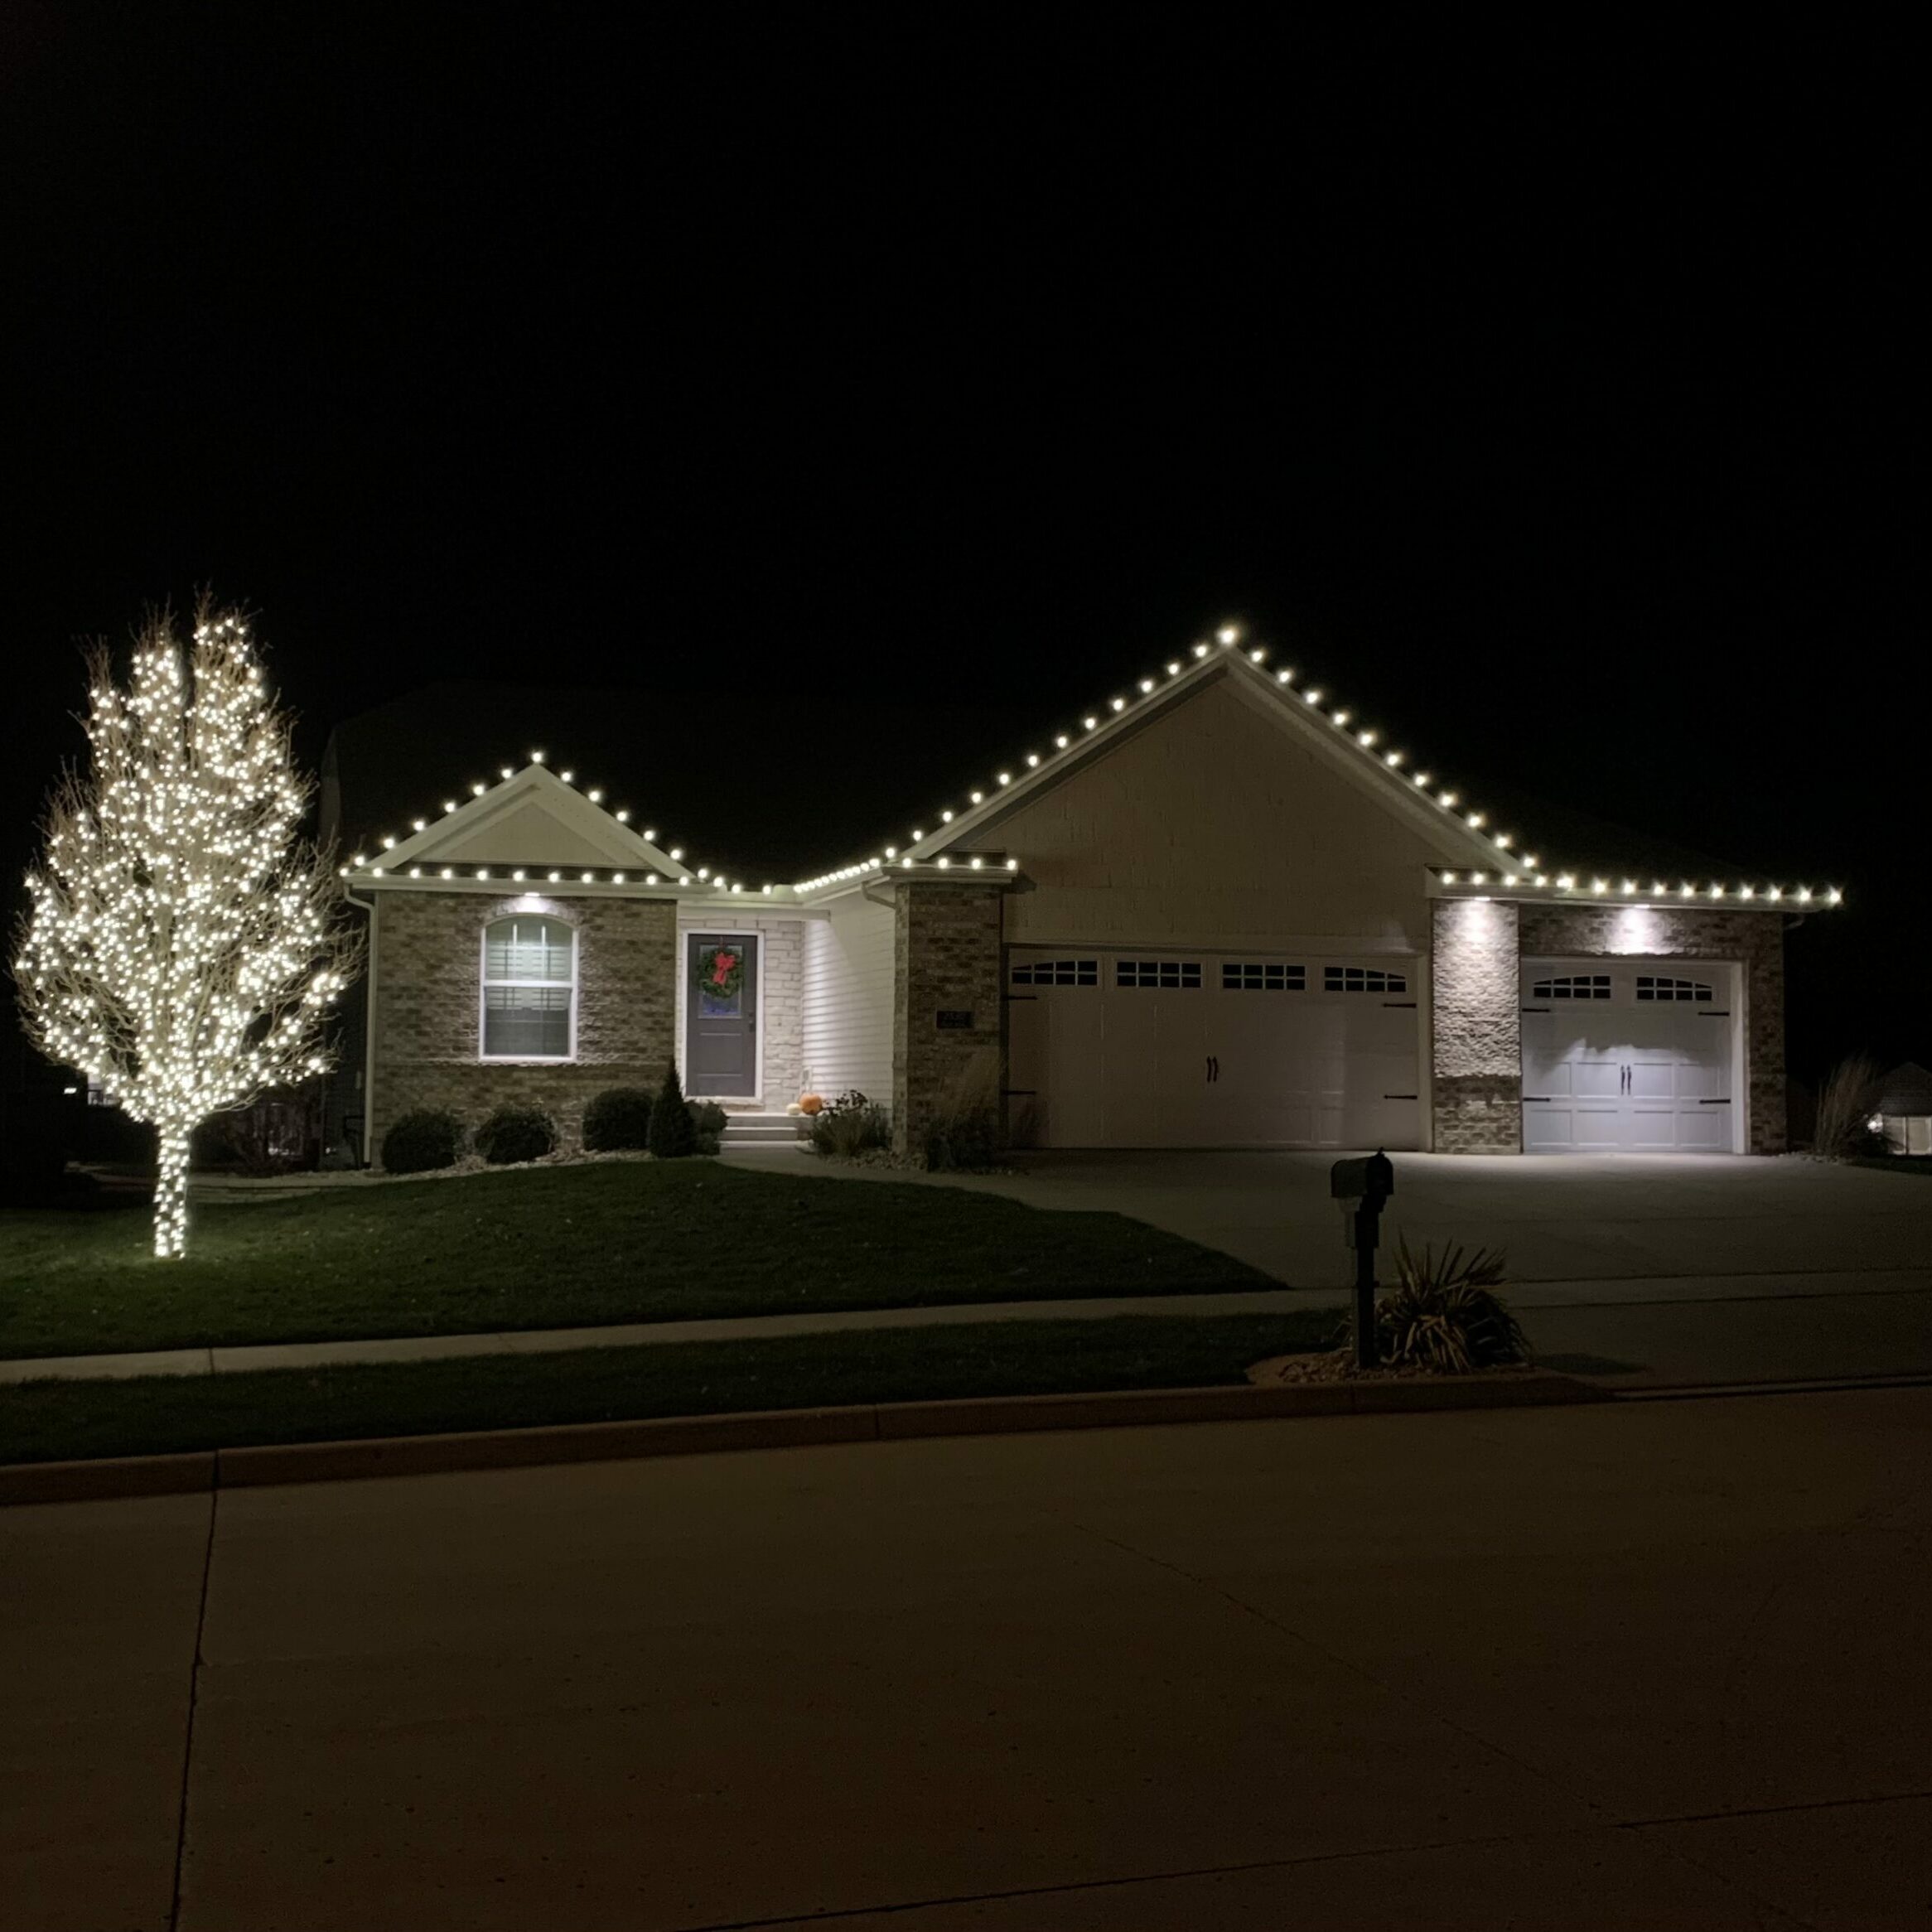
(743,1128)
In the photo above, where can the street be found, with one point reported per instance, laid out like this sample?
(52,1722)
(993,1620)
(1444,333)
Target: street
(1644,1663)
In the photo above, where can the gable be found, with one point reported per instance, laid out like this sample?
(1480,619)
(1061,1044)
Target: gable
(1212,818)
(534,818)
(532,833)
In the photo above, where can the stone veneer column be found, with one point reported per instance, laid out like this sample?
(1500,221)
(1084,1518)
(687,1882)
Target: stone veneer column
(1476,1028)
(946,960)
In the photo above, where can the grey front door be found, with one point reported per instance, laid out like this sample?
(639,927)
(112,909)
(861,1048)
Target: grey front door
(721,1015)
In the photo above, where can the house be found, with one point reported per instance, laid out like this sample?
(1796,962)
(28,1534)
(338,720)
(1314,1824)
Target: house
(1903,1109)
(1217,909)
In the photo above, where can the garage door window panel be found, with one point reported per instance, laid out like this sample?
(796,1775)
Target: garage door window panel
(1159,975)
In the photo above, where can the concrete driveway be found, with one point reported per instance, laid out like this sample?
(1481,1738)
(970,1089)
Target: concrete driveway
(1568,1218)
(1659,1272)
(1633,1664)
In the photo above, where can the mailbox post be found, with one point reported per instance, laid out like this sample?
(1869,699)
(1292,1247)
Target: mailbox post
(1362,1186)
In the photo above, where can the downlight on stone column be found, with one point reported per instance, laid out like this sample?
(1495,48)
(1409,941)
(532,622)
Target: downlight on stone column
(1476,1028)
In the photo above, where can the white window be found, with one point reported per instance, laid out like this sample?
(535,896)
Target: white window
(529,989)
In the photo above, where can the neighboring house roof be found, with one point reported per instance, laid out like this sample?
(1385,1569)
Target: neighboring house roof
(1907,1089)
(1478,850)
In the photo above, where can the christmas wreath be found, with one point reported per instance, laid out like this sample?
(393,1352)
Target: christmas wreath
(720,971)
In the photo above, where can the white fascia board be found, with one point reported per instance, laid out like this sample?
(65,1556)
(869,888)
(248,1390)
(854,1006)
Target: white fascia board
(539,784)
(1655,896)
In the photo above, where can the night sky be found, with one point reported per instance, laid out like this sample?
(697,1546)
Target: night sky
(1559,406)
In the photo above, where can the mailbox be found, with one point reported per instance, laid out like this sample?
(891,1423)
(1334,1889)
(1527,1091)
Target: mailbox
(1372,1177)
(1361,1186)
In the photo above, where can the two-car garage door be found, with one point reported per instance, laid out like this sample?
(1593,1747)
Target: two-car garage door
(1178,1048)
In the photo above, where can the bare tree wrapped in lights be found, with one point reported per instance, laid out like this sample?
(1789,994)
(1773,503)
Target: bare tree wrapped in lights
(182,944)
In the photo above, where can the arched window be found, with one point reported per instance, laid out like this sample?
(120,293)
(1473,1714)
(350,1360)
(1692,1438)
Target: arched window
(529,989)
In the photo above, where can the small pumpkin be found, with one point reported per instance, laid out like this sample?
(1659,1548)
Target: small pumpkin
(811,1104)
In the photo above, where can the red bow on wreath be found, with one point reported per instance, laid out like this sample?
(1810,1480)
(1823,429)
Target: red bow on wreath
(722,965)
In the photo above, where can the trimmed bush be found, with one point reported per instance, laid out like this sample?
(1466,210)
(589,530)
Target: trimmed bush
(708,1125)
(851,1125)
(516,1133)
(673,1134)
(619,1117)
(420,1141)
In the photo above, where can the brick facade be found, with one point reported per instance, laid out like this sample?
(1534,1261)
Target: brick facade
(428,990)
(1755,941)
(946,960)
(1475,1028)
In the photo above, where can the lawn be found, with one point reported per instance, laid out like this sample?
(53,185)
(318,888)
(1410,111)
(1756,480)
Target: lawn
(562,1246)
(51,1421)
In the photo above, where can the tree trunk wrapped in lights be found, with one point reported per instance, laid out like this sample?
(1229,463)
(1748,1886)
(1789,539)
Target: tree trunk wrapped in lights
(182,945)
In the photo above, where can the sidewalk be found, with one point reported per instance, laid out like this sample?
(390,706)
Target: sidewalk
(531,1341)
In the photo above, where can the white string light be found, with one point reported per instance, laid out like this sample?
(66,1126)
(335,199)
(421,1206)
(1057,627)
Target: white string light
(183,946)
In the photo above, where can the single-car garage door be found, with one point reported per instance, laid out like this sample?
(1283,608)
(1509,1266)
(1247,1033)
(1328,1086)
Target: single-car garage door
(1628,1056)
(1175,1048)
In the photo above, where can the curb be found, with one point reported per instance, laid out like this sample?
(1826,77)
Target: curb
(788,1428)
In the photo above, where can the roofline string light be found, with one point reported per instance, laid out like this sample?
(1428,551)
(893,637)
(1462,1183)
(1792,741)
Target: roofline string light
(593,795)
(1365,742)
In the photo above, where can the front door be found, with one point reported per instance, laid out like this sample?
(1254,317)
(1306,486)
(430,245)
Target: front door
(721,1015)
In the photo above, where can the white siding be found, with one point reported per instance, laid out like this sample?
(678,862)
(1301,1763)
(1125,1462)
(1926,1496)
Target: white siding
(848,999)
(1213,824)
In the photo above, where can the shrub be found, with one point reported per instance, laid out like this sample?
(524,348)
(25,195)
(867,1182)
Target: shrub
(418,1143)
(708,1125)
(1844,1109)
(516,1133)
(964,1132)
(1444,1314)
(852,1124)
(619,1117)
(673,1134)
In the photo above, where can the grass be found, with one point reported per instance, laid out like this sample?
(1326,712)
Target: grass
(51,1421)
(559,1248)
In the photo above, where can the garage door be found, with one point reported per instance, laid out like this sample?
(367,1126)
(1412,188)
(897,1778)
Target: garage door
(1628,1056)
(1173,1048)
